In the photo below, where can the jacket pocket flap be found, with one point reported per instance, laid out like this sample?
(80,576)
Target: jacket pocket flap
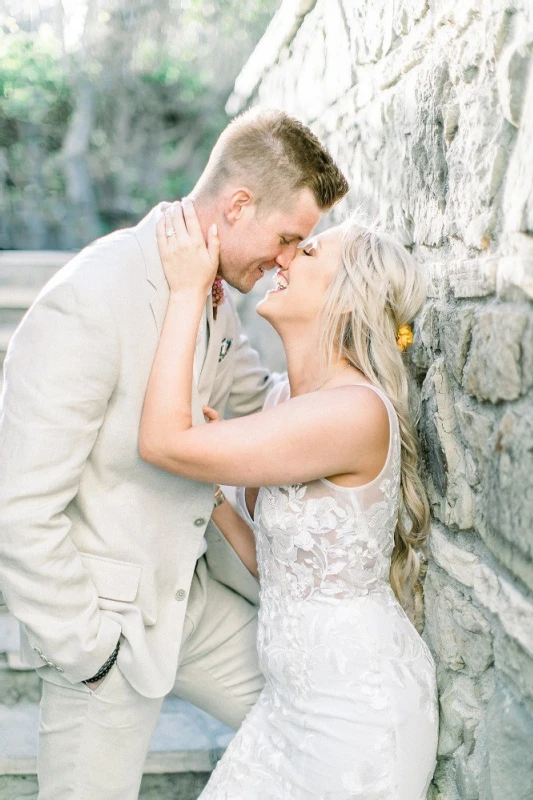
(114,580)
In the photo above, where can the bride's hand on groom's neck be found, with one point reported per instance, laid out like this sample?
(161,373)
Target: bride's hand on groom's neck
(189,263)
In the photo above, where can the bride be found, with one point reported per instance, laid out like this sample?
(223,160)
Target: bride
(349,708)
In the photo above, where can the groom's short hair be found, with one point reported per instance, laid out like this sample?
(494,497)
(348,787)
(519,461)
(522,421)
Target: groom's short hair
(276,156)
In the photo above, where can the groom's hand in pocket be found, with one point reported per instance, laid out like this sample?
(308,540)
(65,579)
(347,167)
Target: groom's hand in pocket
(94,686)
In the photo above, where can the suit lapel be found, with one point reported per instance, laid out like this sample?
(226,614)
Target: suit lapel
(209,370)
(145,233)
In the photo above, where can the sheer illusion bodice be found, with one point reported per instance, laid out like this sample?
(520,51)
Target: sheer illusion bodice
(349,708)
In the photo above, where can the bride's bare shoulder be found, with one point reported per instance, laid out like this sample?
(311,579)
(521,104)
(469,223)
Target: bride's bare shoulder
(357,407)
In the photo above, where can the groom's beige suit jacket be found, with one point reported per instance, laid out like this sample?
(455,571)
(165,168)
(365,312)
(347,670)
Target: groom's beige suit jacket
(95,542)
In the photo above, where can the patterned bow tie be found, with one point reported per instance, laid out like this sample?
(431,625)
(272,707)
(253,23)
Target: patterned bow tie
(218,295)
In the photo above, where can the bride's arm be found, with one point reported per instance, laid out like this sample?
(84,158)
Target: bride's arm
(305,438)
(168,400)
(239,535)
(232,526)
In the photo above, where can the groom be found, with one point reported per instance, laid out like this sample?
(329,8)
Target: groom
(124,589)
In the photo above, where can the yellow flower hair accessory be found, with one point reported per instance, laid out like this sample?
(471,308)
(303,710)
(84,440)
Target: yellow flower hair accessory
(405,337)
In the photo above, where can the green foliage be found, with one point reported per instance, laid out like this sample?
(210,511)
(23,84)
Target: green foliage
(130,101)
(33,87)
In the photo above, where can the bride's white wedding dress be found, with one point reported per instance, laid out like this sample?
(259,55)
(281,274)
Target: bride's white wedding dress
(349,709)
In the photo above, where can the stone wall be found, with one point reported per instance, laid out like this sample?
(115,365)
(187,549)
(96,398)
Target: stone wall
(428,107)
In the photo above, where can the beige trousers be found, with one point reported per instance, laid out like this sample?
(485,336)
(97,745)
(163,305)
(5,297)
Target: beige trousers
(93,744)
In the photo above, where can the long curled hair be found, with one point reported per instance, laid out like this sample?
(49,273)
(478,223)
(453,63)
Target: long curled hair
(378,289)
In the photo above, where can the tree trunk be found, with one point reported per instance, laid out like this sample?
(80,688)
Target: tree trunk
(82,222)
(82,218)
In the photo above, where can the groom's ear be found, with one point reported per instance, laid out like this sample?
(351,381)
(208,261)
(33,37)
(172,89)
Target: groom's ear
(239,204)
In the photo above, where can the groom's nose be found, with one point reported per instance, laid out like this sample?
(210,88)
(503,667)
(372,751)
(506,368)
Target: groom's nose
(284,259)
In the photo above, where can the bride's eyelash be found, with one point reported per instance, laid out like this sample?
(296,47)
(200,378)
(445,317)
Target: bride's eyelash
(305,251)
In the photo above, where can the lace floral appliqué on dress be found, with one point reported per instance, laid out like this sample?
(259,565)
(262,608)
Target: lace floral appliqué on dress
(349,709)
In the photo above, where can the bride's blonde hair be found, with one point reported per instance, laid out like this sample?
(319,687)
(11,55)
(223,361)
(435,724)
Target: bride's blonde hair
(378,289)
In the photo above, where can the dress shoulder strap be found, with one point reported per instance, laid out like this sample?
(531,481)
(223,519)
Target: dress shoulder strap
(384,396)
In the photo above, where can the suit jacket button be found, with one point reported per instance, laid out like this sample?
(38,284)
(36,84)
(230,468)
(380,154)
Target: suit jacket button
(199,522)
(181,594)
(59,669)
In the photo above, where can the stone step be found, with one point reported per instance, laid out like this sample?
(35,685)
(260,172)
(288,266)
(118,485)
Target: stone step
(6,332)
(18,682)
(14,302)
(23,273)
(17,298)
(30,268)
(176,786)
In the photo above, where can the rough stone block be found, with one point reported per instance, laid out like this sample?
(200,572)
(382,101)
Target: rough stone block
(444,786)
(339,75)
(408,14)
(462,705)
(506,553)
(518,192)
(437,281)
(459,633)
(515,278)
(463,279)
(449,490)
(493,371)
(513,660)
(466,779)
(477,427)
(456,561)
(509,496)
(510,605)
(472,278)
(371,30)
(426,167)
(404,57)
(512,608)
(513,73)
(479,151)
(454,334)
(426,339)
(509,737)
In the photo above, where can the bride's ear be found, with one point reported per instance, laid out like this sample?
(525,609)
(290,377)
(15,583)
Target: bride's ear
(238,204)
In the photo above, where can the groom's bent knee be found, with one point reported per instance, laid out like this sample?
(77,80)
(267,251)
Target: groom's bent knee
(219,670)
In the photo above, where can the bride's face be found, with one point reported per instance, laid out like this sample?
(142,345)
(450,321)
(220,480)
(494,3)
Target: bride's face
(302,284)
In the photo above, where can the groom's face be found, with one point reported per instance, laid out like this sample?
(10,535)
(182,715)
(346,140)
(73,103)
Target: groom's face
(254,241)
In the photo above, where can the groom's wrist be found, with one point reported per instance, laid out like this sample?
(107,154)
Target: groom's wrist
(220,497)
(106,667)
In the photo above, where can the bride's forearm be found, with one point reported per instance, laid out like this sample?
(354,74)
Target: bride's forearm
(167,405)
(239,535)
